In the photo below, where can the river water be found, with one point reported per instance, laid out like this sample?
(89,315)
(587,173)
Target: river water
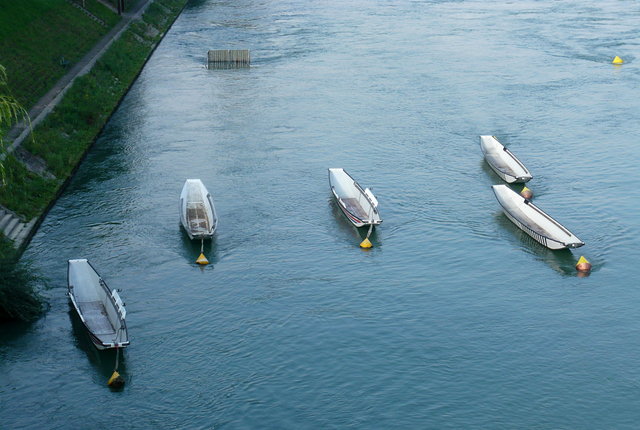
(454,319)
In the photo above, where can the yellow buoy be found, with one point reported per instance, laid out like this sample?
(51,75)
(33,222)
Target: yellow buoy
(202,259)
(583,265)
(366,243)
(526,193)
(116,381)
(617,60)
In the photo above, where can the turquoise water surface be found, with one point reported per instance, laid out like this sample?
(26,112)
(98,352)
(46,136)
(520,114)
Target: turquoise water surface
(454,319)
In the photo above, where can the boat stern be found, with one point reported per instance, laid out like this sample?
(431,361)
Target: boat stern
(575,244)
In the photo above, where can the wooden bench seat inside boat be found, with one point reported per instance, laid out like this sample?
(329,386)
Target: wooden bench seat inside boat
(355,208)
(95,316)
(197,217)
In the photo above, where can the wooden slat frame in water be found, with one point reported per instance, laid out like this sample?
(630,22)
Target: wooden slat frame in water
(228,58)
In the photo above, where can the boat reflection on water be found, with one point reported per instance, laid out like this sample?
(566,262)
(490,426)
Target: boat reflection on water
(581,274)
(102,361)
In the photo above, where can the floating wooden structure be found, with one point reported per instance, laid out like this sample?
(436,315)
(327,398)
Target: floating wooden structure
(228,58)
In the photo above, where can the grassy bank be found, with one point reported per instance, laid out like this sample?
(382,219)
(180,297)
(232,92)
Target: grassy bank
(66,134)
(41,39)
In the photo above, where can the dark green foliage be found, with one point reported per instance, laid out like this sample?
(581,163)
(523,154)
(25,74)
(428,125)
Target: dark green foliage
(19,299)
(41,39)
(99,10)
(155,15)
(26,193)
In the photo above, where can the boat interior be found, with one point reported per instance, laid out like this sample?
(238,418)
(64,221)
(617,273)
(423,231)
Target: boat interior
(97,319)
(495,159)
(354,206)
(197,218)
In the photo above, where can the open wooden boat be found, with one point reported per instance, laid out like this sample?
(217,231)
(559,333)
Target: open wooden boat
(533,221)
(101,310)
(359,205)
(502,161)
(197,213)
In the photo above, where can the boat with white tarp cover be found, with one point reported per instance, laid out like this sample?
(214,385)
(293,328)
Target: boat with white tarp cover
(197,212)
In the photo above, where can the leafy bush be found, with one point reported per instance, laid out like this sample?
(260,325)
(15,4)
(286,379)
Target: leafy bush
(19,299)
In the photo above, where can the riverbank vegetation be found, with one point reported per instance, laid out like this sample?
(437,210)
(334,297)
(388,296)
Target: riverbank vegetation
(19,298)
(63,138)
(40,42)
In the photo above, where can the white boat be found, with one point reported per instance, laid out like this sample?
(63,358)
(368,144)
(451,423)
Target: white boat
(101,310)
(533,221)
(502,161)
(359,205)
(197,213)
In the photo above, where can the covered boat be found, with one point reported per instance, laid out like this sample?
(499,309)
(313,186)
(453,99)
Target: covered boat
(101,310)
(502,161)
(197,213)
(359,205)
(533,221)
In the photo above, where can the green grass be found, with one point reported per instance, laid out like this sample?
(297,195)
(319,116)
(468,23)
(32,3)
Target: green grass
(100,10)
(155,15)
(26,193)
(62,139)
(41,39)
(128,4)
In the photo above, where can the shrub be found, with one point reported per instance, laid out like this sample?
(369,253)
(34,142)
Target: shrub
(19,299)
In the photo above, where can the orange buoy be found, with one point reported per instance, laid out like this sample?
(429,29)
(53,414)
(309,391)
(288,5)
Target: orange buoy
(202,259)
(526,193)
(116,381)
(583,265)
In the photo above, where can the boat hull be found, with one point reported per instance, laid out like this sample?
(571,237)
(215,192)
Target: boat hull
(357,204)
(503,162)
(197,211)
(534,221)
(100,310)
